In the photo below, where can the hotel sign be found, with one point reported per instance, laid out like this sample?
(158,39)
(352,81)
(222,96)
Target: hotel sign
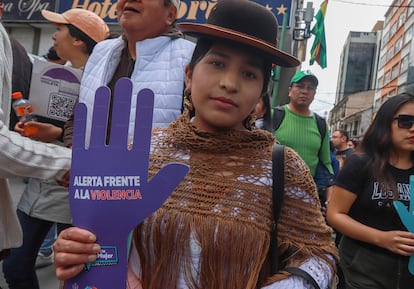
(190,10)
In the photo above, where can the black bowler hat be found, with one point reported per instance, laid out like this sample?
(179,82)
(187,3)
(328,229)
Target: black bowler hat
(245,22)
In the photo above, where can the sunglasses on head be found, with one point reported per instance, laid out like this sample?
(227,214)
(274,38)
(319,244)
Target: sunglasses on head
(405,121)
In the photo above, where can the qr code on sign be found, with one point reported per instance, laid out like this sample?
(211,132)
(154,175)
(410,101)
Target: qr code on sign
(60,106)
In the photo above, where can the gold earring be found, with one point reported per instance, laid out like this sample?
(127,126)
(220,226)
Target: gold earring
(251,120)
(187,102)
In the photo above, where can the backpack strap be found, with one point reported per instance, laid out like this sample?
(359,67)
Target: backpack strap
(321,123)
(278,116)
(278,168)
(278,192)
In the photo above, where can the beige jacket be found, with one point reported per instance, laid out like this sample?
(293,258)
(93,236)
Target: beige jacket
(20,156)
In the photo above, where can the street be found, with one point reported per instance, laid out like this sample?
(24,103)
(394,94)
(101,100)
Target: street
(46,275)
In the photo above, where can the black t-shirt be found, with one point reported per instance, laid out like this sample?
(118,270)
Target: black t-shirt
(373,206)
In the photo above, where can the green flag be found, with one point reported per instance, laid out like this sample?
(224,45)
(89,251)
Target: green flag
(318,51)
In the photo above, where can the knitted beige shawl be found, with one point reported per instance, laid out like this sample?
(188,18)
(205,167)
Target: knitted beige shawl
(214,230)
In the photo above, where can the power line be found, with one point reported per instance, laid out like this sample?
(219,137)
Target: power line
(324,101)
(373,5)
(348,94)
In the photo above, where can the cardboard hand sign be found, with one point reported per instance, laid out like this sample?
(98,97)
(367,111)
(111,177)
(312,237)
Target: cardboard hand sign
(110,192)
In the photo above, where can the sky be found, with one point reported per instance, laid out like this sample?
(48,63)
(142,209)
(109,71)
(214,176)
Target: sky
(342,16)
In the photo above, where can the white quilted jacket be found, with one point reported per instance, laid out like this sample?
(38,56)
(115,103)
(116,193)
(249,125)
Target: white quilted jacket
(160,66)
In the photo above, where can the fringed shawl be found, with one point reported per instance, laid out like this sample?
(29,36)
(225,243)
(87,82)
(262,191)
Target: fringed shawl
(214,230)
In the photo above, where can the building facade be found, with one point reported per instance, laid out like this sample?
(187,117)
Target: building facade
(358,63)
(396,65)
(353,113)
(356,82)
(392,74)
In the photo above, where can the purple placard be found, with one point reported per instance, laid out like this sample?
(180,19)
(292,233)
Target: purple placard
(110,192)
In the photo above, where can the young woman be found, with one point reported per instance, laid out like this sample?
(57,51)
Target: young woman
(222,210)
(375,246)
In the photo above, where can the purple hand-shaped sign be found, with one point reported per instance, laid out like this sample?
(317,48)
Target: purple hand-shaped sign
(109,190)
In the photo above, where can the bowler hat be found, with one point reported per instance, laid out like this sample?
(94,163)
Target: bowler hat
(245,22)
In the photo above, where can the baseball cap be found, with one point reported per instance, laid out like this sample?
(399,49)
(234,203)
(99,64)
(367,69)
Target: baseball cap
(85,20)
(302,74)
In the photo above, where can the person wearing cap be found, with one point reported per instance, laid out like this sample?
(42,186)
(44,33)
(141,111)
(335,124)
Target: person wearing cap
(151,52)
(214,230)
(45,202)
(301,129)
(77,33)
(20,156)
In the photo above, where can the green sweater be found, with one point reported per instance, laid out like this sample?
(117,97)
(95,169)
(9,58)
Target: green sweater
(301,134)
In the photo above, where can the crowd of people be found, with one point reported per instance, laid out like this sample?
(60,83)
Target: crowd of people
(211,112)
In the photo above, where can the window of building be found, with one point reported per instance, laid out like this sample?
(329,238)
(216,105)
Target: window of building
(392,93)
(408,34)
(386,37)
(395,71)
(410,9)
(389,15)
(401,20)
(393,29)
(343,109)
(379,83)
(355,130)
(382,61)
(398,45)
(390,53)
(387,77)
(404,63)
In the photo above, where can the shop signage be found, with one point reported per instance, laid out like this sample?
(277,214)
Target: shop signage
(190,10)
